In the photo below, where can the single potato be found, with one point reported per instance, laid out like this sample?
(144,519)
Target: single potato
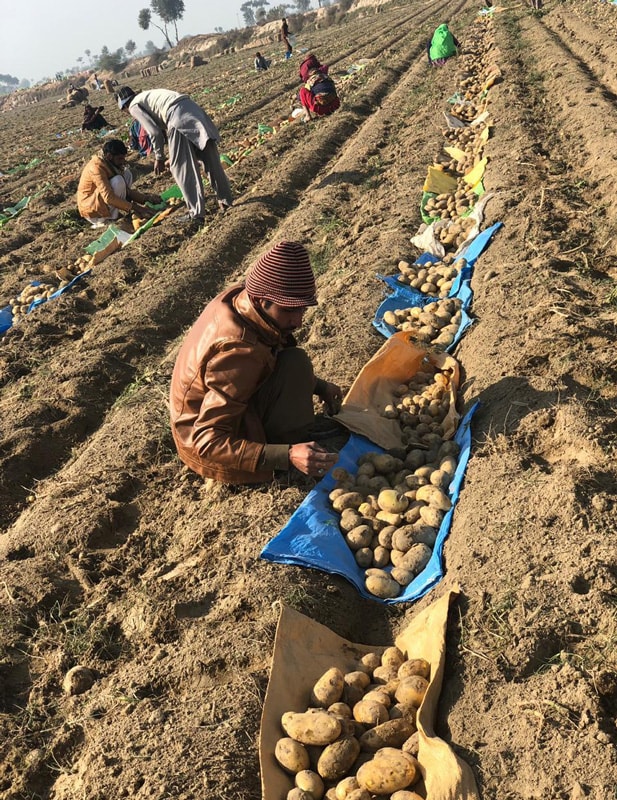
(313,727)
(389,771)
(291,755)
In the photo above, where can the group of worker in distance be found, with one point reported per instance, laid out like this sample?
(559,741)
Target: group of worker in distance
(242,392)
(105,187)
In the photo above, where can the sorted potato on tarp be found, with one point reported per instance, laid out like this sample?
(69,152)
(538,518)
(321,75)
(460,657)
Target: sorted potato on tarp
(313,536)
(402,300)
(305,652)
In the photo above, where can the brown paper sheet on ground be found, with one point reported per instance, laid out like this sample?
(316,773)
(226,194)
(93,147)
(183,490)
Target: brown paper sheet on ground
(304,650)
(396,362)
(101,255)
(446,776)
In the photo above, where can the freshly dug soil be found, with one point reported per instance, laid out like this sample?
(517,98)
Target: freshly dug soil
(117,558)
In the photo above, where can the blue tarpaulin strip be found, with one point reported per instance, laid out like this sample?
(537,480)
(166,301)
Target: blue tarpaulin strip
(6,313)
(400,298)
(312,537)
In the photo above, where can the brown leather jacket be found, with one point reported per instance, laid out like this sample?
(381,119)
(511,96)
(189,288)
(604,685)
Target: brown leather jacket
(227,355)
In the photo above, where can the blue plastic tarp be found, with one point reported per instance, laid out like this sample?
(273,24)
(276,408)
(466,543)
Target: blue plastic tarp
(6,313)
(312,538)
(402,297)
(470,253)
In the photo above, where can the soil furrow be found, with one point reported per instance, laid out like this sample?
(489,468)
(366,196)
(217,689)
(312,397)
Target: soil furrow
(127,563)
(164,311)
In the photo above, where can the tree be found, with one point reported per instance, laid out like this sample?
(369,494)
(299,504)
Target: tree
(9,80)
(130,47)
(151,48)
(260,10)
(302,6)
(169,11)
(88,53)
(111,61)
(247,13)
(277,12)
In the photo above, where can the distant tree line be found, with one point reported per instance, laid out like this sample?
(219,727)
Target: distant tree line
(164,15)
(254,12)
(9,82)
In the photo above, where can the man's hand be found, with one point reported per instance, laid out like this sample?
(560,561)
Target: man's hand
(143,212)
(332,397)
(311,459)
(159,166)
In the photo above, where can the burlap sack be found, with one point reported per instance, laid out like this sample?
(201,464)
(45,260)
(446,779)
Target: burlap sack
(396,362)
(304,650)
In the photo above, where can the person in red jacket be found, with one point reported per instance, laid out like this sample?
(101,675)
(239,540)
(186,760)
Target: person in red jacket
(318,94)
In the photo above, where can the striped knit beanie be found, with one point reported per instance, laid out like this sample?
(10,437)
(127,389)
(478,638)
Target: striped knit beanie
(284,276)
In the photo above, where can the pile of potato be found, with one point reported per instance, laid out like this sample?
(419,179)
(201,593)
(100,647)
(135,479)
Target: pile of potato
(21,303)
(435,324)
(422,405)
(358,738)
(82,263)
(456,233)
(478,62)
(391,508)
(466,139)
(453,166)
(435,278)
(451,205)
(467,110)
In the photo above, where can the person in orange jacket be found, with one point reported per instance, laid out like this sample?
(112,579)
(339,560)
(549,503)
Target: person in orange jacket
(105,187)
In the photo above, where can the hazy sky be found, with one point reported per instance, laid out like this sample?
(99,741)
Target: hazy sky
(40,37)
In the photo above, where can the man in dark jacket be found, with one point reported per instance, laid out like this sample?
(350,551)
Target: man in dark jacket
(285,37)
(241,394)
(93,119)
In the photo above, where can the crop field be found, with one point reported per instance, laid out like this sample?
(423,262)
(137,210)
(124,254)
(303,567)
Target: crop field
(116,557)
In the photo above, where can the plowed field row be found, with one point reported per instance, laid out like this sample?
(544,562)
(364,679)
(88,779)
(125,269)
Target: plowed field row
(168,300)
(123,561)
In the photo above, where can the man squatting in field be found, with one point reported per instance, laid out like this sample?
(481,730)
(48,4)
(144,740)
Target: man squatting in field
(191,136)
(106,187)
(241,394)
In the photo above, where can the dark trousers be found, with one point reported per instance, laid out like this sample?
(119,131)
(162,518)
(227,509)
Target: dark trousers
(284,402)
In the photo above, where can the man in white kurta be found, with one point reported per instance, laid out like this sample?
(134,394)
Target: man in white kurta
(192,137)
